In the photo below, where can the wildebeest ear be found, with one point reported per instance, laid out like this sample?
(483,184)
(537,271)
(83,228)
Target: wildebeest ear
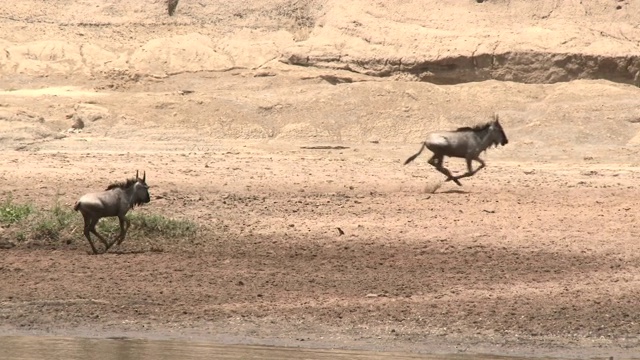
(137,175)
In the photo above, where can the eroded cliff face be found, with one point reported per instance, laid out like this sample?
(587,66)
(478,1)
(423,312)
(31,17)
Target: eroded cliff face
(267,69)
(444,41)
(528,67)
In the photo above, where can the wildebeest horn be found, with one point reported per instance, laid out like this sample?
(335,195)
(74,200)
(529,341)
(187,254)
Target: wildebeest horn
(144,176)
(137,175)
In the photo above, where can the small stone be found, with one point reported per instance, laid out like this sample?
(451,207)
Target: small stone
(78,124)
(4,244)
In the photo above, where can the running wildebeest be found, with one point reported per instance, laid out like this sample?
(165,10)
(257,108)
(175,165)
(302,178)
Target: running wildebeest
(465,142)
(117,200)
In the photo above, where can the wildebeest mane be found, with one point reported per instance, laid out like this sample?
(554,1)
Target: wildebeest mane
(122,184)
(479,127)
(137,202)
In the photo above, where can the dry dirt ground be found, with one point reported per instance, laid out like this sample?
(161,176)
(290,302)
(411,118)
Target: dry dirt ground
(537,254)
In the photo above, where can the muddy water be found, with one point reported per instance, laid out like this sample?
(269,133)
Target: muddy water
(50,348)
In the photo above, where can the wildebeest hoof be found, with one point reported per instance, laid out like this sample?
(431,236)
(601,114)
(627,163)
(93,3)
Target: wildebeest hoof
(455,180)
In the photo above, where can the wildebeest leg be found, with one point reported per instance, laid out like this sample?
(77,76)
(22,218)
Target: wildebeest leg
(102,239)
(124,226)
(482,165)
(87,234)
(436,161)
(470,171)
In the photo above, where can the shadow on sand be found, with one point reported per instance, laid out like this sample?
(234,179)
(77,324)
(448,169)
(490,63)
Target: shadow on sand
(452,191)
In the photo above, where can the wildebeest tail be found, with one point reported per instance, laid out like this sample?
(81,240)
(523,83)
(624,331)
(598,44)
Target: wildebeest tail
(413,157)
(76,206)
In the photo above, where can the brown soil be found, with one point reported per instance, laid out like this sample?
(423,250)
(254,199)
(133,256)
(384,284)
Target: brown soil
(524,255)
(535,255)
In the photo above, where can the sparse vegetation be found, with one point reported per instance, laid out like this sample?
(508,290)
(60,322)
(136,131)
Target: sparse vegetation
(51,224)
(11,212)
(60,224)
(149,225)
(157,225)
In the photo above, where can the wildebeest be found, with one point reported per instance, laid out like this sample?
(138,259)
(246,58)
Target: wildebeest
(116,200)
(464,142)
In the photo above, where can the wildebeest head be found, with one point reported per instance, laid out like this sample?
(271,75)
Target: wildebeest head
(499,136)
(141,190)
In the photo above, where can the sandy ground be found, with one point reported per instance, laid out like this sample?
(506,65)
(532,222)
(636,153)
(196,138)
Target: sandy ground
(535,255)
(525,258)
